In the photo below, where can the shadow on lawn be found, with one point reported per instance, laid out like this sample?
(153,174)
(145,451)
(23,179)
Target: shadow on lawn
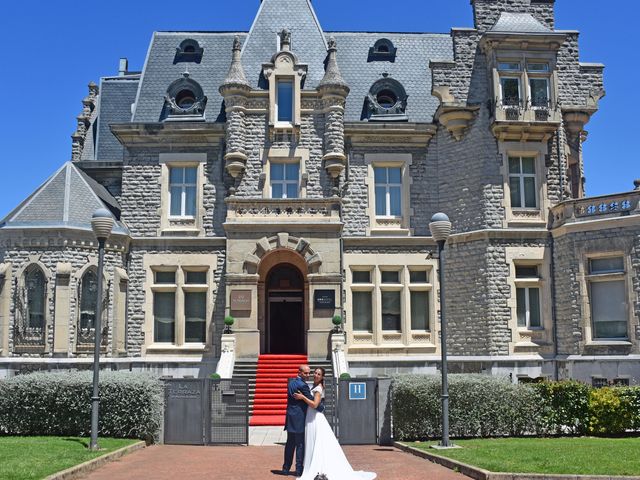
(84,443)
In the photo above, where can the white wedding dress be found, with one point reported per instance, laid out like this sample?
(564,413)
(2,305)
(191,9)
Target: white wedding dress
(322,452)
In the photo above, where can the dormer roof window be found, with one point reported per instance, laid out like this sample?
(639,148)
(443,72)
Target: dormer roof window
(387,101)
(382,51)
(188,51)
(185,100)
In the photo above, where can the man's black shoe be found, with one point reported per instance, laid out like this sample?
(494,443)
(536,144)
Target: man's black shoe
(281,472)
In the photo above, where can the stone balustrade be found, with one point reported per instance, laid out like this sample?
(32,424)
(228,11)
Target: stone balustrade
(583,209)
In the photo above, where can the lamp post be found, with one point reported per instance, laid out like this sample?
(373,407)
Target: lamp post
(101,224)
(440,228)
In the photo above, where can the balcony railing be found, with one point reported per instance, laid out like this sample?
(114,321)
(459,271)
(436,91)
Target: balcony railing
(287,210)
(516,119)
(607,206)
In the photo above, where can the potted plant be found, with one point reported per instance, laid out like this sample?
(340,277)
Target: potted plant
(228,322)
(337,323)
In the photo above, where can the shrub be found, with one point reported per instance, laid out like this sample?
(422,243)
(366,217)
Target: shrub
(632,396)
(215,376)
(336,320)
(345,376)
(565,406)
(60,404)
(479,406)
(609,412)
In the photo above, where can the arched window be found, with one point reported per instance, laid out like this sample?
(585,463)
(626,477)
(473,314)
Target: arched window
(387,101)
(189,50)
(36,300)
(185,98)
(88,299)
(382,51)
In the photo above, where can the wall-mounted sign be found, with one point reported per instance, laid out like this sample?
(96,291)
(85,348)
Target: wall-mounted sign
(324,299)
(240,300)
(357,391)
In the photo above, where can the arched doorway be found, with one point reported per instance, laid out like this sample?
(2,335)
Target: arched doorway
(285,306)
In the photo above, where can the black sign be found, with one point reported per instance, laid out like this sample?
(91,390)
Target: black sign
(324,299)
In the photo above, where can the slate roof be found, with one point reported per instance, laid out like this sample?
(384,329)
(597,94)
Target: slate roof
(309,44)
(307,39)
(411,68)
(160,71)
(510,22)
(116,96)
(66,199)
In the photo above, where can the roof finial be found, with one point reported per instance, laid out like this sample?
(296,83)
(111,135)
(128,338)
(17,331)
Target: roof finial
(285,40)
(236,74)
(332,76)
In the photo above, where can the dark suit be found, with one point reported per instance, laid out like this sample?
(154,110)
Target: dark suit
(295,423)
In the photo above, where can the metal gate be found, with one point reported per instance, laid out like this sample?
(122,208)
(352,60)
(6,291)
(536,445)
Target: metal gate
(202,411)
(358,412)
(229,407)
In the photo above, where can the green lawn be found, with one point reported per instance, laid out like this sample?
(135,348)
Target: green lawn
(27,458)
(585,455)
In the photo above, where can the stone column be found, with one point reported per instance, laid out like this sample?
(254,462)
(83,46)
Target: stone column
(62,309)
(5,307)
(121,283)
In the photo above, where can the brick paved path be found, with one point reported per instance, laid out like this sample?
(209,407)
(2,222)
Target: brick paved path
(165,462)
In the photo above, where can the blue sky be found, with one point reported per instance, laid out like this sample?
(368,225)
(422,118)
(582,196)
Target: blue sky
(52,49)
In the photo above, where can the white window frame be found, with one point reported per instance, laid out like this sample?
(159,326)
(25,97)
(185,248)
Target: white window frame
(390,225)
(521,181)
(612,276)
(291,81)
(406,337)
(183,224)
(387,187)
(180,264)
(528,283)
(284,155)
(183,191)
(285,182)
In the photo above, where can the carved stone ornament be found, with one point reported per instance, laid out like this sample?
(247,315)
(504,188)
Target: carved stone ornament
(185,98)
(387,101)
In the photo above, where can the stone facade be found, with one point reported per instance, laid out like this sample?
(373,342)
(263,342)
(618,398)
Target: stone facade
(372,165)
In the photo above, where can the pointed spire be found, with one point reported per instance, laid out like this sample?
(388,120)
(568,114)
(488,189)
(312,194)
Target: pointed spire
(332,76)
(236,74)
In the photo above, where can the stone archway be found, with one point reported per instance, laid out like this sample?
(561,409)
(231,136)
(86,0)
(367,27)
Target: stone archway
(282,302)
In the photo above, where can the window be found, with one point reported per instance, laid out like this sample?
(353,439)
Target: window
(362,314)
(386,101)
(528,297)
(88,300)
(419,298)
(382,50)
(182,191)
(539,88)
(361,276)
(36,300)
(522,182)
(180,296)
(388,191)
(510,91)
(599,382)
(391,318)
(284,100)
(285,179)
(608,298)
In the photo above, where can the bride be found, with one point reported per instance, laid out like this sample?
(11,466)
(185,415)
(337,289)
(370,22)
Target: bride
(322,453)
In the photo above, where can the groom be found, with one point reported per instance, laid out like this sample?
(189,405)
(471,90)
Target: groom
(295,421)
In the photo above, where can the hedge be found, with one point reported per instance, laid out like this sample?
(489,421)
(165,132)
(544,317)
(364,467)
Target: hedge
(488,406)
(505,408)
(60,404)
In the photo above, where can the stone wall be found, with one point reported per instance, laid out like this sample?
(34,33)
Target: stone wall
(486,12)
(136,299)
(78,257)
(569,251)
(142,191)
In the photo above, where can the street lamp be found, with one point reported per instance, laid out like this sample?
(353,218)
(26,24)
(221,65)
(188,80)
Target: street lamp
(440,227)
(101,224)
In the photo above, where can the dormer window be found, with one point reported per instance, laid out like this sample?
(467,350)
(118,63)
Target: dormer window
(284,100)
(382,51)
(524,87)
(188,51)
(538,74)
(185,100)
(387,101)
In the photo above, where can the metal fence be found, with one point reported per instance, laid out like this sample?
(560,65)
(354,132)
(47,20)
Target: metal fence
(204,411)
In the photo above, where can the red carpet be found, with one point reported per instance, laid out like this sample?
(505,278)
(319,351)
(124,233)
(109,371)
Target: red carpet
(270,400)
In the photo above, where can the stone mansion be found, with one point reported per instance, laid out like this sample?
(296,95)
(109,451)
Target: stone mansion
(287,175)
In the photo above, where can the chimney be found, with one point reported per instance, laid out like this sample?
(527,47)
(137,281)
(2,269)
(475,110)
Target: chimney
(123,68)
